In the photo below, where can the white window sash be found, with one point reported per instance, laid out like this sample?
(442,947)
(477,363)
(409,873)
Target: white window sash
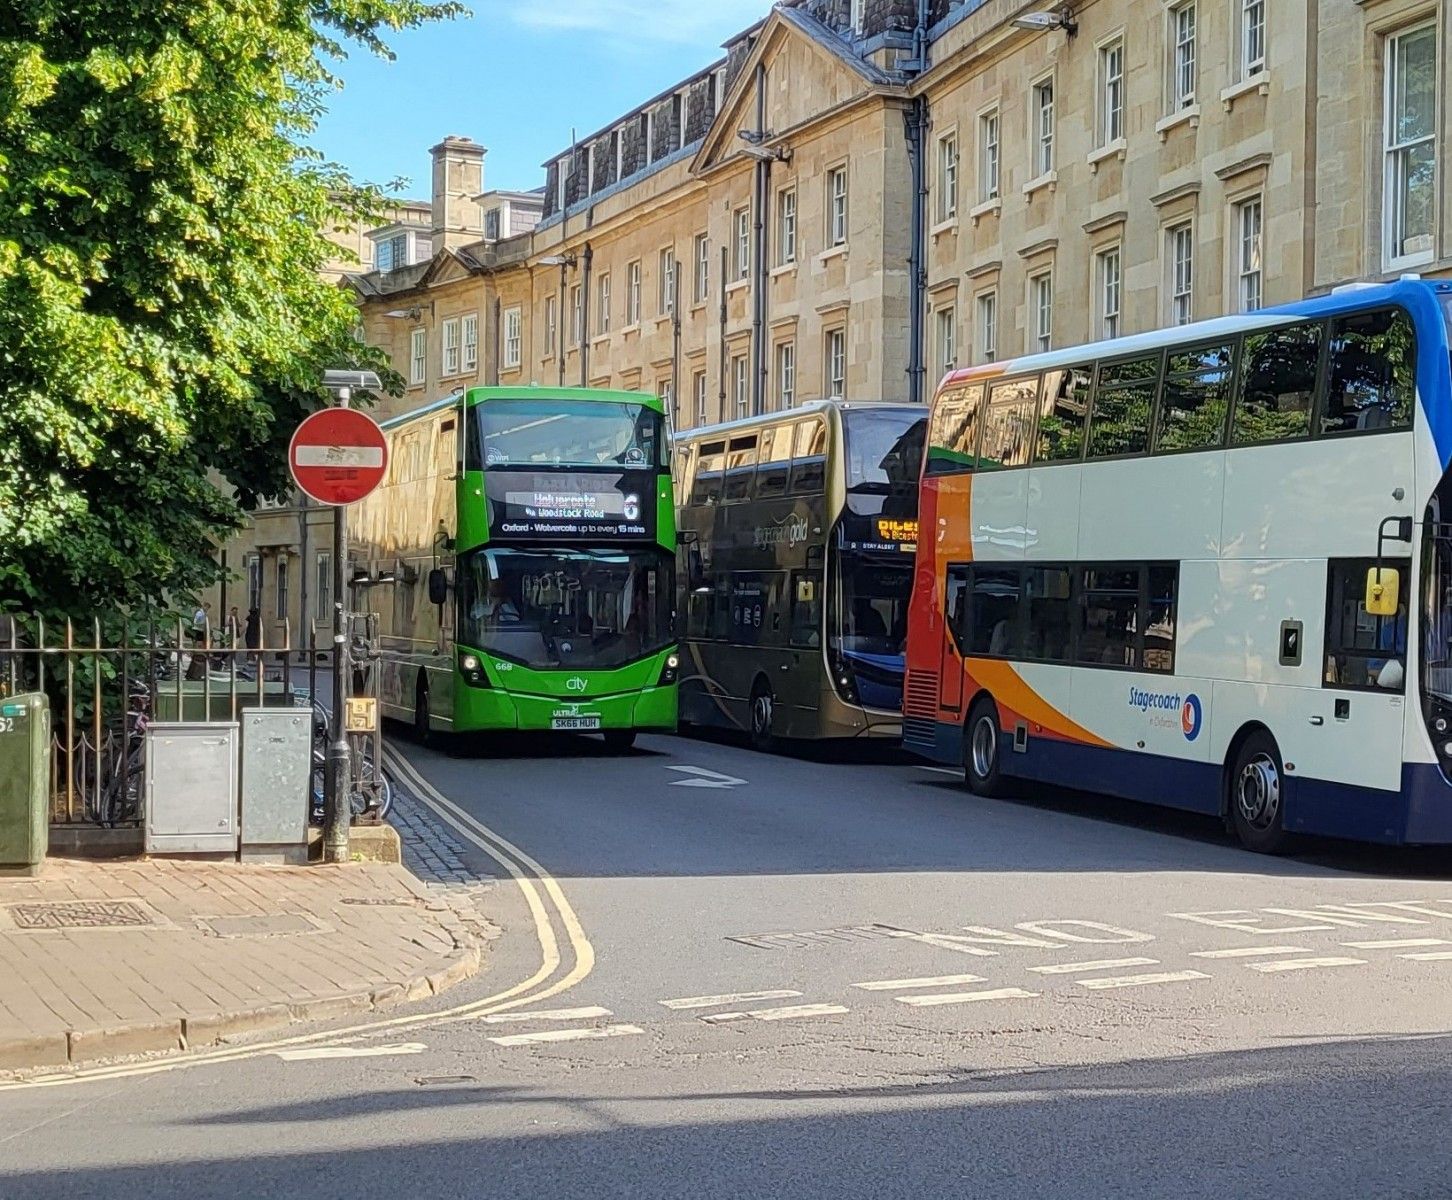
(471,343)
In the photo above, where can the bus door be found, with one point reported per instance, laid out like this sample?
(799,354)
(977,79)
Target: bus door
(950,667)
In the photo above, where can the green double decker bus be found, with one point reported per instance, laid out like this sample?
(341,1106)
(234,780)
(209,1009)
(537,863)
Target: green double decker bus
(526,537)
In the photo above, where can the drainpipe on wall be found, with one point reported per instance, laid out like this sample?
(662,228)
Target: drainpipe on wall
(561,316)
(494,359)
(675,403)
(917,119)
(759,281)
(721,397)
(585,320)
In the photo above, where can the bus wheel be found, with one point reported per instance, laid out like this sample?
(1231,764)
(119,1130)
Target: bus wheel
(1257,795)
(618,741)
(421,730)
(980,750)
(763,717)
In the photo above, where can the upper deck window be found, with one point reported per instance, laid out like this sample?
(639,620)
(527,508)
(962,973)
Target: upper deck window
(569,433)
(884,448)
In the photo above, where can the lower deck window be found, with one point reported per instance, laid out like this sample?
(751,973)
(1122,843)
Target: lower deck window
(1362,650)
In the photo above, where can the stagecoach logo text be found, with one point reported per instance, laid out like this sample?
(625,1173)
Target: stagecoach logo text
(789,531)
(1169,710)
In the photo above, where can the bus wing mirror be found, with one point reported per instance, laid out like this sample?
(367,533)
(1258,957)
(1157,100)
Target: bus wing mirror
(438,586)
(1383,591)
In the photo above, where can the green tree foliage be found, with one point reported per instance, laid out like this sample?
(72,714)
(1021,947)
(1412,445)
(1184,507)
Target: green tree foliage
(163,322)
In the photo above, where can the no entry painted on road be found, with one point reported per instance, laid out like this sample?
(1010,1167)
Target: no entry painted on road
(338,455)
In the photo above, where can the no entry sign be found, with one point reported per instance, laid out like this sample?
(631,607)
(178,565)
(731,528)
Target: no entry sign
(338,455)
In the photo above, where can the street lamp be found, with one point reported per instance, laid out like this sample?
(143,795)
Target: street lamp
(1042,22)
(341,384)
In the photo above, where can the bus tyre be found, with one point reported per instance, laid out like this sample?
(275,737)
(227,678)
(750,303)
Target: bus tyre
(981,750)
(618,741)
(763,717)
(1257,795)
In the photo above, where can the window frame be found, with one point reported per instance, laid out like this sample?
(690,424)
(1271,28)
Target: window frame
(946,201)
(961,629)
(551,323)
(418,356)
(1111,92)
(1241,273)
(1393,216)
(1182,59)
(786,375)
(740,386)
(1326,365)
(837,212)
(1360,565)
(701,283)
(698,388)
(990,155)
(1043,126)
(985,318)
(1103,317)
(469,342)
(1041,281)
(945,321)
(448,347)
(512,354)
(577,314)
(1114,360)
(1173,294)
(668,281)
(632,293)
(1248,66)
(836,384)
(282,578)
(602,304)
(1236,342)
(741,237)
(786,226)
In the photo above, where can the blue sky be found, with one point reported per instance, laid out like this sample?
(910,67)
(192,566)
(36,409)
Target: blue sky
(516,76)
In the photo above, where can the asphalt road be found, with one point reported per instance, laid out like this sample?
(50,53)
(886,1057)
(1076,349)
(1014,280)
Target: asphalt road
(758,976)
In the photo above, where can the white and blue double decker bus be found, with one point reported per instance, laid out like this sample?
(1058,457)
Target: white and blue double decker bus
(1207,567)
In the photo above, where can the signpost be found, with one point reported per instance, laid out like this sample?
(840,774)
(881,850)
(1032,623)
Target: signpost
(337,457)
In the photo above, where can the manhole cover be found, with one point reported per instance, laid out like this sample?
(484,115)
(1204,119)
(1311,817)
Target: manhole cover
(262,926)
(80,914)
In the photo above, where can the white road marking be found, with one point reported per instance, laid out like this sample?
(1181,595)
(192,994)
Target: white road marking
(702,778)
(1248,952)
(313,1052)
(1305,964)
(942,771)
(1103,964)
(1395,944)
(930,981)
(549,1014)
(1430,956)
(567,1035)
(1124,981)
(965,997)
(788,1013)
(732,998)
(797,1010)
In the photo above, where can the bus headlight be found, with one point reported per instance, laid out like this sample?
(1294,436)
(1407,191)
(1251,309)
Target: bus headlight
(473,670)
(670,672)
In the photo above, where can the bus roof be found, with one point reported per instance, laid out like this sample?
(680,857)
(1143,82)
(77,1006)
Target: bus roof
(1412,293)
(725,428)
(527,392)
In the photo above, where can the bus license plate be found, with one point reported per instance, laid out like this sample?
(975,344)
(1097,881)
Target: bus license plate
(575,723)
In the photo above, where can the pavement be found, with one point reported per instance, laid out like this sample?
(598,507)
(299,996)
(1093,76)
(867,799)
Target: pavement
(107,959)
(724,974)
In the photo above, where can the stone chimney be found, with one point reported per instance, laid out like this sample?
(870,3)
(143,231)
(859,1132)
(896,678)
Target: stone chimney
(458,178)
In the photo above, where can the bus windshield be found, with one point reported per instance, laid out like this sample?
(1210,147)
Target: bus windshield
(550,609)
(884,448)
(567,433)
(874,606)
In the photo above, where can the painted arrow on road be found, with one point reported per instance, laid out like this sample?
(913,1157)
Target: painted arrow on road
(702,778)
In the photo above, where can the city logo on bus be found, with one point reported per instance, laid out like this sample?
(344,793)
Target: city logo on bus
(1191,717)
(575,684)
(1169,710)
(791,530)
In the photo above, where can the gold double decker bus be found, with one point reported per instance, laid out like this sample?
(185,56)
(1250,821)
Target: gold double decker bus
(797,533)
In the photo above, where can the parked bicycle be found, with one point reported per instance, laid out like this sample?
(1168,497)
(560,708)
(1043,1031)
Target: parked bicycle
(370,791)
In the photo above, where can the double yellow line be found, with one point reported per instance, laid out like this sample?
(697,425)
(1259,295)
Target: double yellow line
(566,956)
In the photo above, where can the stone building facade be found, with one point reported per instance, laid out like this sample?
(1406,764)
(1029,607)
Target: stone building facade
(757,235)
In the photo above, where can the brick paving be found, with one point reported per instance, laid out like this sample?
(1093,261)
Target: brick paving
(80,979)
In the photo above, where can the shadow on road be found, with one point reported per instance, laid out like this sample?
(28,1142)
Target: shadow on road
(1355,1118)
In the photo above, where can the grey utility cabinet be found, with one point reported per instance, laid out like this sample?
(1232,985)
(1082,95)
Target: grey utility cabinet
(191,788)
(277,751)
